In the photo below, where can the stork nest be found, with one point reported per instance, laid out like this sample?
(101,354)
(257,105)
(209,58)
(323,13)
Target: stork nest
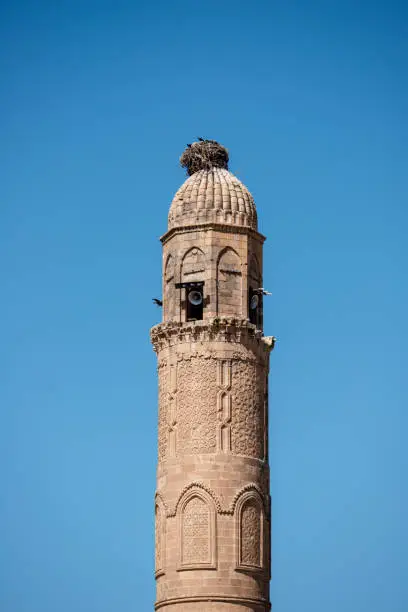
(204,155)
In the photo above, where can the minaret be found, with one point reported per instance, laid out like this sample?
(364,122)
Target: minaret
(212,508)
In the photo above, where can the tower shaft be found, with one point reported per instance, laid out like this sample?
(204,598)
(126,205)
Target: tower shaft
(212,506)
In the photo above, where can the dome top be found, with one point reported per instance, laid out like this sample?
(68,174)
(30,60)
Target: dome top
(211,194)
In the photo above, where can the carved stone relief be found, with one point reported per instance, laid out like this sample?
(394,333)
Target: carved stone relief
(208,405)
(197,406)
(163,407)
(196,533)
(250,534)
(159,538)
(224,405)
(167,445)
(249,342)
(172,409)
(248,404)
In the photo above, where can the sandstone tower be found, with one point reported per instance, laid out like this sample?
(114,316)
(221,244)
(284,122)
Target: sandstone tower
(212,507)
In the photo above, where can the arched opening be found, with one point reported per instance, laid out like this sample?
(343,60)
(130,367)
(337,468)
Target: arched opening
(255,301)
(192,284)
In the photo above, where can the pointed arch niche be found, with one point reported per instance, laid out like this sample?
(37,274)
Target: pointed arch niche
(250,532)
(192,271)
(229,283)
(197,529)
(160,536)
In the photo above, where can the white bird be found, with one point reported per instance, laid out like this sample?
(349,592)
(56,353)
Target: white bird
(263,291)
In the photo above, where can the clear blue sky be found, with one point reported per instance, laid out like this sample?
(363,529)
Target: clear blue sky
(98,101)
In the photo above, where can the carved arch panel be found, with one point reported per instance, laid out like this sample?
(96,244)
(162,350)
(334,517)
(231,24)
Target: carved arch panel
(160,537)
(250,532)
(229,284)
(197,528)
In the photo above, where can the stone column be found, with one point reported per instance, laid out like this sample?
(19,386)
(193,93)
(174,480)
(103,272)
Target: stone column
(212,500)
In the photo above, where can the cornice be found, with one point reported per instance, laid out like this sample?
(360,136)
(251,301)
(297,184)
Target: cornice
(220,227)
(239,331)
(236,600)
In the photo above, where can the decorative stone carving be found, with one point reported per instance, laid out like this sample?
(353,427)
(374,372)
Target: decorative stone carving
(224,405)
(163,408)
(172,410)
(250,490)
(196,533)
(167,409)
(250,532)
(197,521)
(160,523)
(197,485)
(247,421)
(197,406)
(241,332)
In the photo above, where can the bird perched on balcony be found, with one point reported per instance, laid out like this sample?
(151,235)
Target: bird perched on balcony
(263,291)
(157,302)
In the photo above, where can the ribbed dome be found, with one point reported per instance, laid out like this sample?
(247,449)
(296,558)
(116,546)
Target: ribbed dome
(213,196)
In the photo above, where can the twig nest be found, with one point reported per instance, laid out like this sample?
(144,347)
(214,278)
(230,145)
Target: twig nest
(204,155)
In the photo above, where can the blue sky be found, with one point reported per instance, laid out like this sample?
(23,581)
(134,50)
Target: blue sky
(98,101)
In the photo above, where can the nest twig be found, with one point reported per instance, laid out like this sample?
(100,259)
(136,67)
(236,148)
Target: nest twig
(204,155)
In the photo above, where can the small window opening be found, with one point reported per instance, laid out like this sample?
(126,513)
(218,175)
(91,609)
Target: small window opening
(255,307)
(194,299)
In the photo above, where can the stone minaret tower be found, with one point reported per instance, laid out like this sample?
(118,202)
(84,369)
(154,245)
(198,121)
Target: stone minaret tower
(212,509)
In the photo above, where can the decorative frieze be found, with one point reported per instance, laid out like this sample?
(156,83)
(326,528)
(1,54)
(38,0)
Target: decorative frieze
(229,330)
(248,419)
(251,489)
(197,406)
